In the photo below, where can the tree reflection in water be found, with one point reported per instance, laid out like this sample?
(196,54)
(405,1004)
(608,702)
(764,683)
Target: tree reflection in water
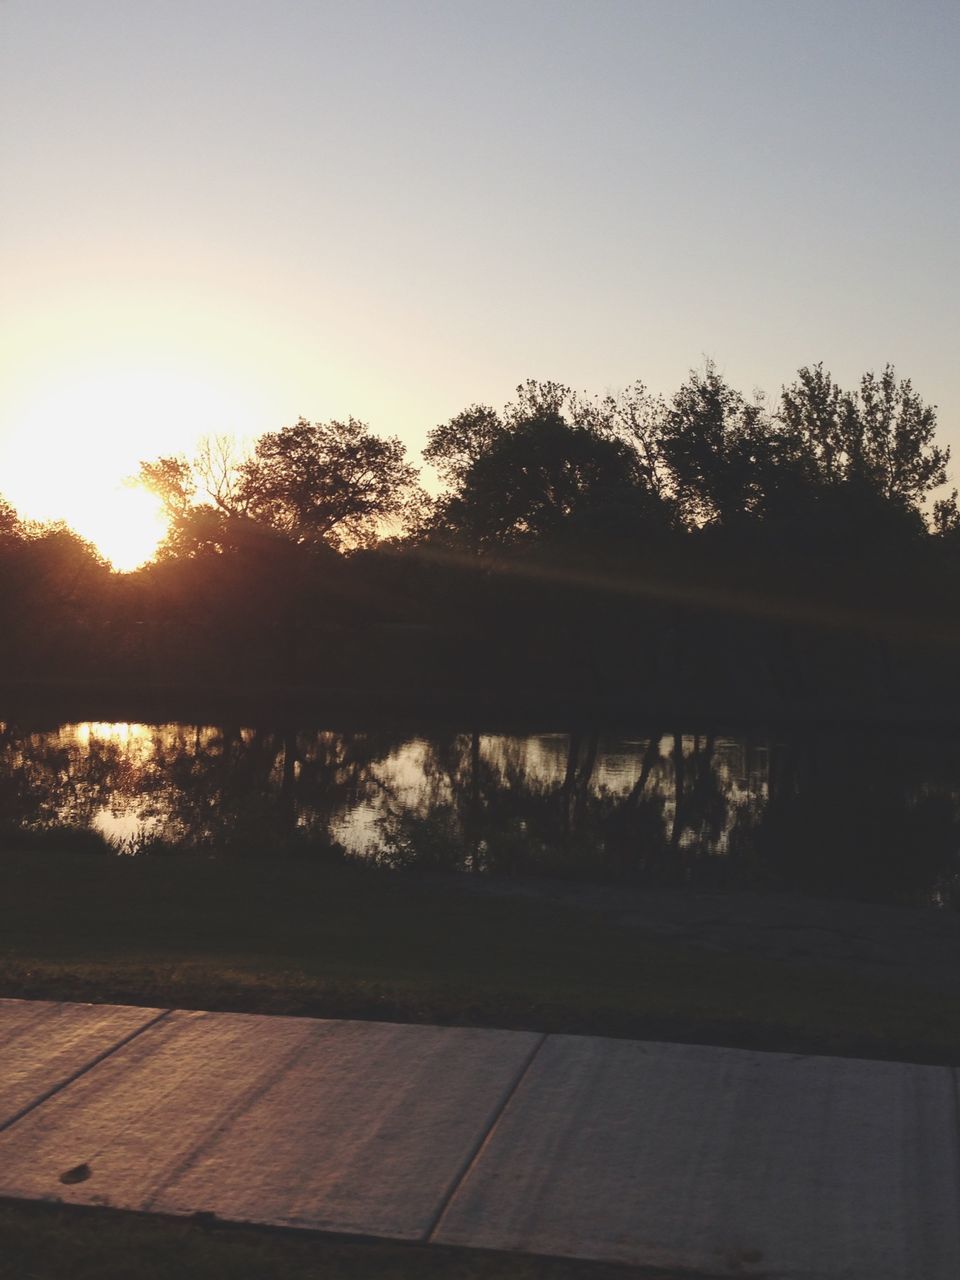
(873,816)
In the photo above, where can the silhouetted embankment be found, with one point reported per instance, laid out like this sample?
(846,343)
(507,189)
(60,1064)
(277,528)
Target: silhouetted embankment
(606,559)
(55,701)
(530,641)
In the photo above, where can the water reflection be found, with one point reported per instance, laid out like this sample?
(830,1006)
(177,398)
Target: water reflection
(869,816)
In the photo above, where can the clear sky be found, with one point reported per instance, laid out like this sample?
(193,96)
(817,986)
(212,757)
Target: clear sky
(218,215)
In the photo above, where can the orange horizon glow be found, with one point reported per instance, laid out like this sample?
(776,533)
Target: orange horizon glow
(80,437)
(123,522)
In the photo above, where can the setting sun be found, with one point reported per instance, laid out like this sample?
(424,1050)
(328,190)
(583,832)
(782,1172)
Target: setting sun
(126,528)
(79,442)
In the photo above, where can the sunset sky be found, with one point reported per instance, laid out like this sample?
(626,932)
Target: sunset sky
(218,215)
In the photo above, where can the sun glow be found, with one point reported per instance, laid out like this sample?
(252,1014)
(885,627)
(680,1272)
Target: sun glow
(77,444)
(119,732)
(126,525)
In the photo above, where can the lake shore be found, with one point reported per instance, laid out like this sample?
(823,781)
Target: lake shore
(294,937)
(487,708)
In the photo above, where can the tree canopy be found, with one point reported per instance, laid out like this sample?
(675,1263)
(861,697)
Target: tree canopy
(562,525)
(819,464)
(334,483)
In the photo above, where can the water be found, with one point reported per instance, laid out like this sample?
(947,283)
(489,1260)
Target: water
(865,815)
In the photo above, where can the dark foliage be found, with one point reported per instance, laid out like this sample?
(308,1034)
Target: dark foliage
(706,547)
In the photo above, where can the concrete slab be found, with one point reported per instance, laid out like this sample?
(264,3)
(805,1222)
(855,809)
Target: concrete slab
(721,1161)
(43,1045)
(362,1128)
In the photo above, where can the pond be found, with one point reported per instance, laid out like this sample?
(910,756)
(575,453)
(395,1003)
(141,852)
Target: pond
(868,815)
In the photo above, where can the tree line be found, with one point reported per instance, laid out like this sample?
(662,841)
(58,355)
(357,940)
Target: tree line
(596,544)
(557,464)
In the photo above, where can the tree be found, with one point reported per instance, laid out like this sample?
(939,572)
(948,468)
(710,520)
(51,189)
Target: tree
(193,526)
(9,521)
(540,476)
(334,483)
(895,450)
(220,468)
(203,498)
(880,439)
(63,583)
(174,483)
(636,417)
(946,517)
(541,400)
(715,448)
(815,422)
(453,447)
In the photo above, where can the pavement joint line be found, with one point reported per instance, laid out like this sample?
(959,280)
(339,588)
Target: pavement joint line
(82,1071)
(473,1154)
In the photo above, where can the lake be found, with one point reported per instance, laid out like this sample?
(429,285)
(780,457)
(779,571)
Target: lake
(868,815)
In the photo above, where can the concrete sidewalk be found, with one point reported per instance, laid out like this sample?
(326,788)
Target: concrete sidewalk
(721,1161)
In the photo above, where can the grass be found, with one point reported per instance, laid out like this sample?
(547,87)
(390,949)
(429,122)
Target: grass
(44,1242)
(295,937)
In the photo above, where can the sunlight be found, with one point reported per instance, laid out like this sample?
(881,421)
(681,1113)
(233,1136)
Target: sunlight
(77,445)
(121,732)
(127,526)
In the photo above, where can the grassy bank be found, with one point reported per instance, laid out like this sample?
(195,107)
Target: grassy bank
(491,708)
(295,937)
(44,1242)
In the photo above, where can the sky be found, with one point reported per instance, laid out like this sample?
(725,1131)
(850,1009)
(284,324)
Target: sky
(219,215)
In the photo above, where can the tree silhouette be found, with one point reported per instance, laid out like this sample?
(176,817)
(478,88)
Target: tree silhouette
(454,447)
(717,450)
(201,500)
(628,547)
(9,520)
(880,439)
(637,418)
(547,467)
(334,483)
